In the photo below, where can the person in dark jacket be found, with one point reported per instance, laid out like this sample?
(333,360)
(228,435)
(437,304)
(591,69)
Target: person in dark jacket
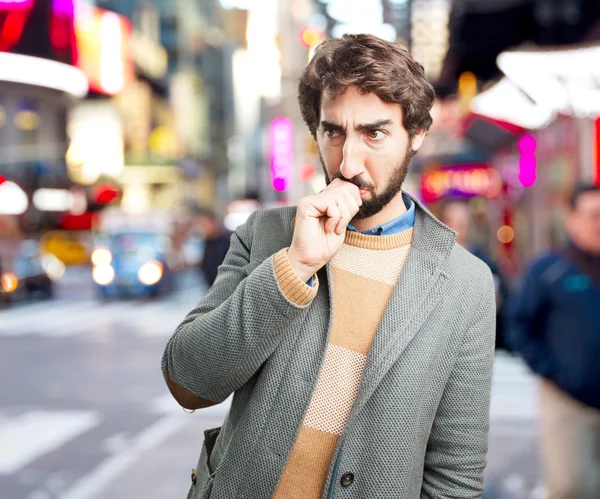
(555,326)
(216,240)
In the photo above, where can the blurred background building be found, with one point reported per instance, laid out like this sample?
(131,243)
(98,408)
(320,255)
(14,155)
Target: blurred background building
(173,104)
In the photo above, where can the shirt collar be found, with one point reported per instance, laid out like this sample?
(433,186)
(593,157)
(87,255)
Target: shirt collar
(399,224)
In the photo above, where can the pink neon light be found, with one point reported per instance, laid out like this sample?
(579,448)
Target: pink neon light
(527,161)
(279,184)
(527,144)
(527,173)
(597,129)
(14,3)
(62,7)
(281,153)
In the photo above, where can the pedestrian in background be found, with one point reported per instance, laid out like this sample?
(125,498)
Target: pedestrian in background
(356,335)
(555,326)
(216,243)
(457,216)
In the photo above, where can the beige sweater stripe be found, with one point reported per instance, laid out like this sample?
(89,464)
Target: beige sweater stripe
(364,273)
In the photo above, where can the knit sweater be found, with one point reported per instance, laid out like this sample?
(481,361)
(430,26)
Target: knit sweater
(365,271)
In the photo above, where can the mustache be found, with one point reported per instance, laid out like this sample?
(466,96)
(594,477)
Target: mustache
(357,181)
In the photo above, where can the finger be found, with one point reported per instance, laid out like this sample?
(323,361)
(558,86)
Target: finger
(351,188)
(333,215)
(352,202)
(315,206)
(345,215)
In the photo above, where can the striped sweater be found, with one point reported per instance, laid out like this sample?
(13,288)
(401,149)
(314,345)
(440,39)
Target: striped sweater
(364,271)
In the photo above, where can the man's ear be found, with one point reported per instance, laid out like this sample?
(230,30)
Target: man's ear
(417,140)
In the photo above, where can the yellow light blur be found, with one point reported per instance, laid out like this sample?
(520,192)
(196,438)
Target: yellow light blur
(2,116)
(9,282)
(467,82)
(311,36)
(467,89)
(505,234)
(103,274)
(163,141)
(101,256)
(150,273)
(27,120)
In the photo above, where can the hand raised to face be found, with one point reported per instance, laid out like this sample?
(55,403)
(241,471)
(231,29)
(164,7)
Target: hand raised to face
(320,226)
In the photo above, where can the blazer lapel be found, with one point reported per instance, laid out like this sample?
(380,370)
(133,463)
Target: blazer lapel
(414,297)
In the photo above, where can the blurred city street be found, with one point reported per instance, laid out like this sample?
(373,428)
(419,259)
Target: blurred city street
(137,136)
(86,413)
(86,401)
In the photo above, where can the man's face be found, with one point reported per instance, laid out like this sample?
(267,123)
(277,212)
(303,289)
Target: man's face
(583,223)
(361,139)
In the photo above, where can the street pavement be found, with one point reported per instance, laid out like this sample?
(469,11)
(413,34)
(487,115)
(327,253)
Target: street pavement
(84,412)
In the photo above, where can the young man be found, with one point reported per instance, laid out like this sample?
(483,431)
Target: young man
(356,336)
(555,326)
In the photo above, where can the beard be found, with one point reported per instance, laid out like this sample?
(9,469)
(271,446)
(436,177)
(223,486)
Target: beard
(378,201)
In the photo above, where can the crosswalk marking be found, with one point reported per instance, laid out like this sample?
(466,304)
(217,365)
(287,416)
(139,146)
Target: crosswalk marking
(28,437)
(35,433)
(94,484)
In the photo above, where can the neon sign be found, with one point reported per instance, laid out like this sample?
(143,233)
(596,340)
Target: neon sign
(527,161)
(28,29)
(460,181)
(597,130)
(282,153)
(103,39)
(16,14)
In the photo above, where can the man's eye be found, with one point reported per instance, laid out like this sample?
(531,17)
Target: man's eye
(332,133)
(376,134)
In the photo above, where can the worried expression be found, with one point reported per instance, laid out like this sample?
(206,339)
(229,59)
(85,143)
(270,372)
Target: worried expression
(362,140)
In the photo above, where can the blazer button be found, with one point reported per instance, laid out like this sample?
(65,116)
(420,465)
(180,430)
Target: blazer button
(194,476)
(347,479)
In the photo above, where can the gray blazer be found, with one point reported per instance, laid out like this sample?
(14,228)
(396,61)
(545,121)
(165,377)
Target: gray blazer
(419,425)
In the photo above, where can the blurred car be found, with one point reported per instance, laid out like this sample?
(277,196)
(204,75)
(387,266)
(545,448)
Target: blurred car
(133,264)
(26,275)
(69,246)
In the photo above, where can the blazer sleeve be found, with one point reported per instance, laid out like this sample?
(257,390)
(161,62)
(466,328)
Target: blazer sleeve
(225,340)
(456,452)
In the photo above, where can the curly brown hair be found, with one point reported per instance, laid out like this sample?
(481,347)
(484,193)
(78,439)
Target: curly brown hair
(372,65)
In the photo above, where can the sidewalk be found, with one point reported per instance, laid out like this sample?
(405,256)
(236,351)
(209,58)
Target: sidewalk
(159,463)
(164,473)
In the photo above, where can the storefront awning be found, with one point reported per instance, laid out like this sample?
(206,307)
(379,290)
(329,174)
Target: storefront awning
(541,84)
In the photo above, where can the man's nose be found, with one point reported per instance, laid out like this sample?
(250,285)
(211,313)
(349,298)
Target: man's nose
(353,163)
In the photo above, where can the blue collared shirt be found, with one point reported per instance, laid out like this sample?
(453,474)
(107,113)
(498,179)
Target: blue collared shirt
(399,224)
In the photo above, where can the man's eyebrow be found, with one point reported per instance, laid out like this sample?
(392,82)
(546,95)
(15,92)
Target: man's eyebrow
(373,126)
(326,125)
